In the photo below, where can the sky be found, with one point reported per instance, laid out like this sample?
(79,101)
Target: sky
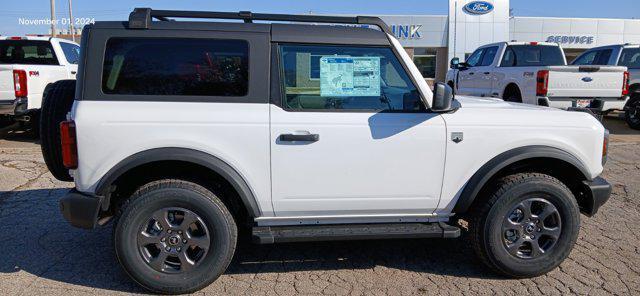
(12,12)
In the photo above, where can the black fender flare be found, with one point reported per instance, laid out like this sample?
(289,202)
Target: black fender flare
(187,155)
(493,166)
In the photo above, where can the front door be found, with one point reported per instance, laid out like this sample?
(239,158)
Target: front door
(484,72)
(468,78)
(351,136)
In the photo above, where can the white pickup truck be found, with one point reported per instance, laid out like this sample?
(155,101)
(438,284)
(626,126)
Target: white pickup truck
(627,55)
(537,73)
(27,66)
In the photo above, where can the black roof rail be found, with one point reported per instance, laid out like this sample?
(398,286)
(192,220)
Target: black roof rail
(141,18)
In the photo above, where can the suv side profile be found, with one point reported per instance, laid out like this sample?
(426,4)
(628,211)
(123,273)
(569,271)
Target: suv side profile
(183,134)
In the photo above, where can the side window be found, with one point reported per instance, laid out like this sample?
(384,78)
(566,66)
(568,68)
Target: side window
(596,57)
(630,58)
(532,56)
(489,56)
(509,58)
(176,67)
(71,52)
(586,59)
(604,56)
(474,58)
(349,78)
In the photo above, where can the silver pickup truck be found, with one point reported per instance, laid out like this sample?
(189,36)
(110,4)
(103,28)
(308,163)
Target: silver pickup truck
(627,55)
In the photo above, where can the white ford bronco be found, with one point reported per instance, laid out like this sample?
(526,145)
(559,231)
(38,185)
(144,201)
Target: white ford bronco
(28,66)
(187,134)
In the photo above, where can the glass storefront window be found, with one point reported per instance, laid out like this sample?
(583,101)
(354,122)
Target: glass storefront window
(425,60)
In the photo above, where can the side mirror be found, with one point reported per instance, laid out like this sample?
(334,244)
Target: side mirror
(454,63)
(442,97)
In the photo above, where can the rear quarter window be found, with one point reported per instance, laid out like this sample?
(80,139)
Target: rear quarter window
(176,67)
(28,52)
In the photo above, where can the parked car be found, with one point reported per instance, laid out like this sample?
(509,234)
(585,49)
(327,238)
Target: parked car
(28,65)
(184,133)
(626,55)
(536,73)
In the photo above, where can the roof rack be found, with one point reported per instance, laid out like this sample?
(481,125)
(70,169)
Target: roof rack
(141,18)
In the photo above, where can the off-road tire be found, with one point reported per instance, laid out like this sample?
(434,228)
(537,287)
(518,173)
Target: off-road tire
(632,112)
(187,195)
(486,220)
(57,101)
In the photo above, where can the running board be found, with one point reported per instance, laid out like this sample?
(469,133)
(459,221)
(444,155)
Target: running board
(308,233)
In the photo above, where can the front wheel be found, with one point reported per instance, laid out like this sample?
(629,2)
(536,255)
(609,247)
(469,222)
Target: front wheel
(527,227)
(174,237)
(632,112)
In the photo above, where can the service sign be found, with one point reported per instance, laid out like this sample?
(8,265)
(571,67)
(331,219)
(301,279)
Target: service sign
(564,39)
(478,7)
(350,76)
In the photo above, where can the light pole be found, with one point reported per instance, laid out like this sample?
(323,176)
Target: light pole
(71,23)
(53,18)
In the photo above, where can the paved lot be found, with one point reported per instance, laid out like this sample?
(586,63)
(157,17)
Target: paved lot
(41,254)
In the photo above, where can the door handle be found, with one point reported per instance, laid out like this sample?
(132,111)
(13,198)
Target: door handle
(471,73)
(303,138)
(73,72)
(487,73)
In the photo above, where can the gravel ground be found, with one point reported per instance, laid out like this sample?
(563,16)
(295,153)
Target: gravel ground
(41,254)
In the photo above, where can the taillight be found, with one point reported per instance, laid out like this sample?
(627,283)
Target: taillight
(542,83)
(625,83)
(20,83)
(68,143)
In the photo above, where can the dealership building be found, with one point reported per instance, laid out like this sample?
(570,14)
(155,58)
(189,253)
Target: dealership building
(432,40)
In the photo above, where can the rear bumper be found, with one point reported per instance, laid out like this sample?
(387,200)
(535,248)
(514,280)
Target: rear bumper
(598,105)
(81,210)
(599,191)
(13,107)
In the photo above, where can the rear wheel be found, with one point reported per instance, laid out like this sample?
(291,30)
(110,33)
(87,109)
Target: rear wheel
(56,103)
(512,94)
(632,112)
(174,237)
(527,227)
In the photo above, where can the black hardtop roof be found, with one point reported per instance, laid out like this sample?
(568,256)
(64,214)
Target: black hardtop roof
(141,18)
(350,30)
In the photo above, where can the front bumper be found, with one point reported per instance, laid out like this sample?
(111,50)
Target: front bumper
(598,192)
(81,210)
(13,107)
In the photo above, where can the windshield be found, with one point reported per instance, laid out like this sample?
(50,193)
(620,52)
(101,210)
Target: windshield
(29,52)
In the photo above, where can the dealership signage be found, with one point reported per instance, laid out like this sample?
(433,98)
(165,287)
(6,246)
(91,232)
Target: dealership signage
(406,31)
(478,7)
(565,39)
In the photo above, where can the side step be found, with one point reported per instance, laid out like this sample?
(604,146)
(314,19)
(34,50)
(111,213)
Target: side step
(307,233)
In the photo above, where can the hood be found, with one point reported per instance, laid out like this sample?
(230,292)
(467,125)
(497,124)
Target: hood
(493,103)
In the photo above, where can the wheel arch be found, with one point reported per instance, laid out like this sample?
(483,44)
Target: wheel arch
(553,161)
(188,157)
(511,85)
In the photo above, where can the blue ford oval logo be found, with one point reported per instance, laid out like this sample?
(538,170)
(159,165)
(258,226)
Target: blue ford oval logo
(478,7)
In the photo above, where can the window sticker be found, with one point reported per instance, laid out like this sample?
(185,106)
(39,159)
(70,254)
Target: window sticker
(349,76)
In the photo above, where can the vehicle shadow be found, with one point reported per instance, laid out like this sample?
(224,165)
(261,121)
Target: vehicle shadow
(36,240)
(19,133)
(618,126)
